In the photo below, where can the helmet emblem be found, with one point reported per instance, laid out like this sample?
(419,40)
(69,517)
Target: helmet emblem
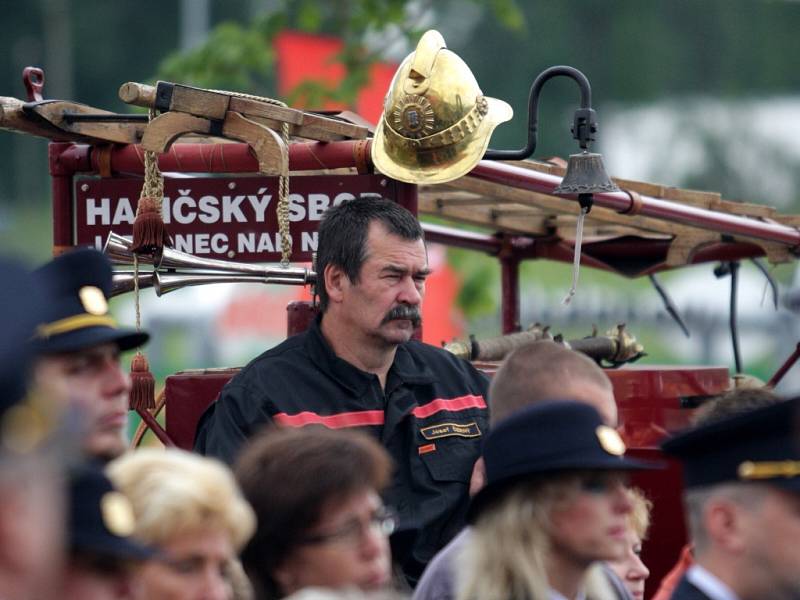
(412,116)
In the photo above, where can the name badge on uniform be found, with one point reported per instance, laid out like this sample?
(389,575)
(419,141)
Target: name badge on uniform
(465,430)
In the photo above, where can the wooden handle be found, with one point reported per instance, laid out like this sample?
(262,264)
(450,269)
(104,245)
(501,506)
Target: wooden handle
(137,94)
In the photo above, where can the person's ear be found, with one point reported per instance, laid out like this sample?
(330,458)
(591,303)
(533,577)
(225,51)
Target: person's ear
(285,577)
(335,281)
(726,524)
(478,479)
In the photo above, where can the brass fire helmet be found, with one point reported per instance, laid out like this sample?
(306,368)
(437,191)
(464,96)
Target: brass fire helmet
(436,122)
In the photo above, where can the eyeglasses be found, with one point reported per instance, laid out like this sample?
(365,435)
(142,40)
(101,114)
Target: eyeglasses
(383,520)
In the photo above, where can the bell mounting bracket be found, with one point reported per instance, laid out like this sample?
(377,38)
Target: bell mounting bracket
(584,124)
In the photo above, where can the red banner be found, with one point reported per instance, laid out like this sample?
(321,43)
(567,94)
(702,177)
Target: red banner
(232,218)
(307,57)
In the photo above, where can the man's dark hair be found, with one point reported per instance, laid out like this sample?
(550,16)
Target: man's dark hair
(289,477)
(343,234)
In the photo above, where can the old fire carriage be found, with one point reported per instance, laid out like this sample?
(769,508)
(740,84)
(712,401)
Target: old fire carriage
(236,152)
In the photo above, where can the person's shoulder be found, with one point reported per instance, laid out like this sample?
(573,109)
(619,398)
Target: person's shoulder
(435,355)
(439,358)
(686,590)
(286,350)
(288,354)
(438,579)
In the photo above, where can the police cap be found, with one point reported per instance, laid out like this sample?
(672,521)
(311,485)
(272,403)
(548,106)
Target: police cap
(549,437)
(77,286)
(757,446)
(101,519)
(20,311)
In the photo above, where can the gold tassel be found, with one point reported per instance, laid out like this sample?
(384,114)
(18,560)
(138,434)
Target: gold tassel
(143,384)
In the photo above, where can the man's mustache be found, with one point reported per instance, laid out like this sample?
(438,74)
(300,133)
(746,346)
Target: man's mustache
(404,311)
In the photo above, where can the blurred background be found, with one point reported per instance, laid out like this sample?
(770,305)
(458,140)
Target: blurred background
(702,95)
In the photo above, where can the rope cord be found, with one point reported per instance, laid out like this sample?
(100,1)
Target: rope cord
(153,186)
(282,208)
(283,205)
(576,260)
(136,291)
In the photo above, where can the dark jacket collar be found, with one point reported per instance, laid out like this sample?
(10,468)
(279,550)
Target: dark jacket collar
(407,367)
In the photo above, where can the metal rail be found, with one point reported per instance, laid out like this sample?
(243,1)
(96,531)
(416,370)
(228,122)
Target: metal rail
(237,158)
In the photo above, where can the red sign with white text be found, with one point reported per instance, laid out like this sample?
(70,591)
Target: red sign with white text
(232,218)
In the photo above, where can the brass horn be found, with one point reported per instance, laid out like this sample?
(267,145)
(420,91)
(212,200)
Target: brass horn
(118,250)
(164,283)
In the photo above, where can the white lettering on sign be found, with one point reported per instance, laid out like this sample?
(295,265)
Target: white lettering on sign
(93,211)
(297,212)
(342,197)
(261,242)
(210,209)
(165,212)
(308,241)
(231,209)
(124,212)
(317,204)
(260,204)
(201,243)
(184,200)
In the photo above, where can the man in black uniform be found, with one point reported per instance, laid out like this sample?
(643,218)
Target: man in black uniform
(742,477)
(78,346)
(358,366)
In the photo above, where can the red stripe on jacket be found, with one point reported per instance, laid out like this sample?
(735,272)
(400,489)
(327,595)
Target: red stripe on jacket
(451,404)
(357,418)
(362,418)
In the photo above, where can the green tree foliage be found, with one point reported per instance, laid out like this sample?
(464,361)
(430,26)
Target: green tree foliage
(240,57)
(234,58)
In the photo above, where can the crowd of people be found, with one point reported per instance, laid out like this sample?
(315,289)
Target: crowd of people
(354,461)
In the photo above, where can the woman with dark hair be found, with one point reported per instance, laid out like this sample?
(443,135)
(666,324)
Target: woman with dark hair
(321,522)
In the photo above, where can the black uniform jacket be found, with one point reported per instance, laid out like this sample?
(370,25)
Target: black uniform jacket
(687,591)
(430,417)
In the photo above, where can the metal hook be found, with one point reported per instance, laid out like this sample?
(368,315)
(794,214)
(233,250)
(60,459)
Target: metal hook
(584,124)
(732,268)
(770,279)
(669,306)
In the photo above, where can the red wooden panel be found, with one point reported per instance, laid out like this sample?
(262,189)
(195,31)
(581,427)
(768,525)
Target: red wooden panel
(188,394)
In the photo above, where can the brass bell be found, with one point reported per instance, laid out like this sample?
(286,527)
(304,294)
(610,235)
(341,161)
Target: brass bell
(585,175)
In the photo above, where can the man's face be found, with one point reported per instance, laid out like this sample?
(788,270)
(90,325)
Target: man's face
(772,528)
(384,304)
(92,382)
(591,523)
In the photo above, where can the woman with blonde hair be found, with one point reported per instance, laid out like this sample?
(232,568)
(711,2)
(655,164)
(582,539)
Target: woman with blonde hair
(191,510)
(554,504)
(630,568)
